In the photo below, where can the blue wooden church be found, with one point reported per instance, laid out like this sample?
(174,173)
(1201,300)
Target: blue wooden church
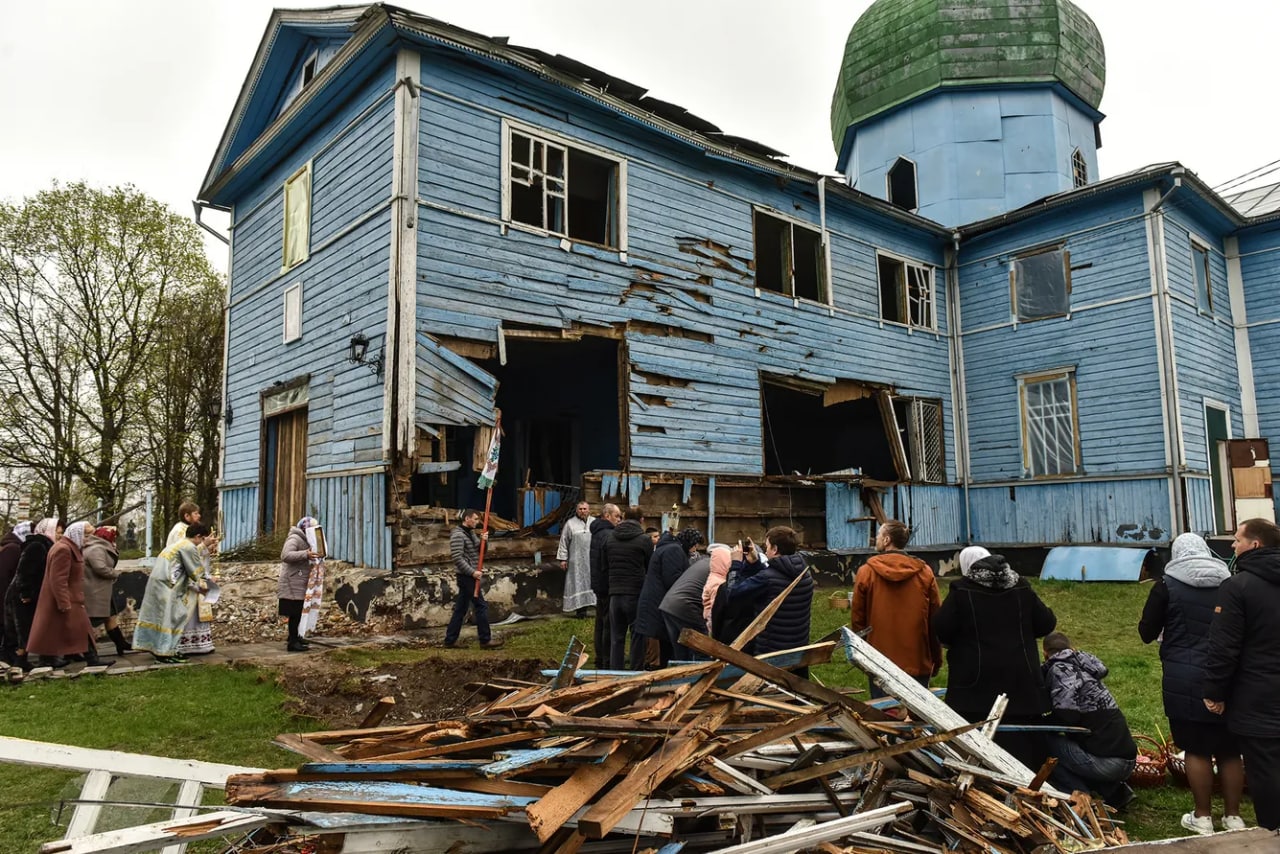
(965,326)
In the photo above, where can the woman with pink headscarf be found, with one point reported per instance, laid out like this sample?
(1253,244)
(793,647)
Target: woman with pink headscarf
(61,626)
(721,560)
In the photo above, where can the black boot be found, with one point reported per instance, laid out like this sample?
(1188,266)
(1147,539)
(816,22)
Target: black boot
(91,654)
(123,647)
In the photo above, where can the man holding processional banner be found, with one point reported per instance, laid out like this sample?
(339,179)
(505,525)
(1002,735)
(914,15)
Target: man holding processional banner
(466,548)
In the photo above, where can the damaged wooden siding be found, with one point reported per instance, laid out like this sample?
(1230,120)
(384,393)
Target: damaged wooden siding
(238,507)
(451,389)
(352,509)
(683,298)
(1114,511)
(1108,338)
(1260,270)
(344,286)
(1204,343)
(935,515)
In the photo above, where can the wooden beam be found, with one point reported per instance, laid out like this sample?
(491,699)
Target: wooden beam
(378,712)
(798,840)
(555,808)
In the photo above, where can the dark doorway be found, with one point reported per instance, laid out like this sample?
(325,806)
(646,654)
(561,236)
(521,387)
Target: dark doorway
(561,416)
(284,470)
(803,435)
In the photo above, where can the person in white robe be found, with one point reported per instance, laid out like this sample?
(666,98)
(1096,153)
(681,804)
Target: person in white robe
(574,555)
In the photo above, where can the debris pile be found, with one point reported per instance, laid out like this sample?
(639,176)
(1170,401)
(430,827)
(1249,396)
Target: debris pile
(737,754)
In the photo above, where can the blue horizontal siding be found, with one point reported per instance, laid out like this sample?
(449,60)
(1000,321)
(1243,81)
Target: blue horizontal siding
(353,511)
(239,508)
(1126,511)
(935,515)
(1260,270)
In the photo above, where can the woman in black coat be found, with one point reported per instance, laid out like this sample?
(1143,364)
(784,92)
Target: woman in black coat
(989,623)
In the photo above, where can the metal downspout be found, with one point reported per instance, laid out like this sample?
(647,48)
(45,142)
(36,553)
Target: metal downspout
(960,398)
(1170,376)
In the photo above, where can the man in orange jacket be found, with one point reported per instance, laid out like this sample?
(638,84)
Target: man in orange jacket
(895,596)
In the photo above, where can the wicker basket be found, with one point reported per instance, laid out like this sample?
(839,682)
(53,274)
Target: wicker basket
(1152,763)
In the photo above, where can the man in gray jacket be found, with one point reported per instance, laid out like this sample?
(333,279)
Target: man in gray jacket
(464,548)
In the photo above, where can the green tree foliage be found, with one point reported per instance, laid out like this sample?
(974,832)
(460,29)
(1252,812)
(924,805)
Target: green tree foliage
(93,285)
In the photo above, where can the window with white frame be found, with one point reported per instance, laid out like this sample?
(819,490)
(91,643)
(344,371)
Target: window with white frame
(1204,281)
(789,258)
(1050,444)
(1041,284)
(293,312)
(297,217)
(1079,169)
(563,189)
(919,424)
(906,292)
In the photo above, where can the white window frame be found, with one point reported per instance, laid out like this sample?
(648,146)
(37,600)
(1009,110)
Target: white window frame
(823,268)
(1067,375)
(915,182)
(906,284)
(1079,170)
(550,137)
(1013,281)
(287,262)
(292,325)
(1200,245)
(913,450)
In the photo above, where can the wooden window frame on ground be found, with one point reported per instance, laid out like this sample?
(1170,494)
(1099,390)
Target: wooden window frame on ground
(788,226)
(1021,275)
(1035,425)
(915,303)
(296,202)
(557,184)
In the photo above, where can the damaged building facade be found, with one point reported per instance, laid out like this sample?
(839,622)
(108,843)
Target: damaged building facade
(965,329)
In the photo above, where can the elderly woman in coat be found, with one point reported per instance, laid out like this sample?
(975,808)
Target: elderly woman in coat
(61,625)
(100,574)
(172,595)
(301,582)
(24,592)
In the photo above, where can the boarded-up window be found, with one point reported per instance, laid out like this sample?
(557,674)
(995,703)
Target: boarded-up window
(906,292)
(564,190)
(297,217)
(789,258)
(919,424)
(1049,428)
(1042,285)
(293,312)
(1204,282)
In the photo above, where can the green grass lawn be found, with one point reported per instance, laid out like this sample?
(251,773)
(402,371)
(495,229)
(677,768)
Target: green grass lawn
(231,714)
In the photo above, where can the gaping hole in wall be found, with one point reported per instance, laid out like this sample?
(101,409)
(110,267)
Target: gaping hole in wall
(560,418)
(902,184)
(804,435)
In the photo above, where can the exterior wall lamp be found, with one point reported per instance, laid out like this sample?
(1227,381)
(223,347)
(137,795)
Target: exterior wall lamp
(215,411)
(358,351)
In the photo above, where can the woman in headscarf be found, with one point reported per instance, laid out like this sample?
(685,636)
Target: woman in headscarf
(28,577)
(10,551)
(301,582)
(100,574)
(61,625)
(721,560)
(1181,606)
(173,591)
(989,623)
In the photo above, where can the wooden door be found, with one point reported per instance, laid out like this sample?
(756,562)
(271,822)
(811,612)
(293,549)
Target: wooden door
(286,469)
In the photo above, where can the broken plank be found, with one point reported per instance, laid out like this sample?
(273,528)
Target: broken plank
(378,712)
(521,760)
(296,743)
(375,797)
(21,751)
(798,840)
(477,744)
(149,837)
(554,808)
(782,730)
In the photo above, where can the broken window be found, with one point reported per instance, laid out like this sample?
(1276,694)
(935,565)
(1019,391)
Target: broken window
(1079,170)
(297,217)
(818,429)
(906,292)
(564,190)
(902,184)
(1049,429)
(1042,284)
(789,258)
(919,425)
(1204,283)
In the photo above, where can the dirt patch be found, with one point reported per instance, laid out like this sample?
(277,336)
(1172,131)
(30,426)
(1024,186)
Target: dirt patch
(338,694)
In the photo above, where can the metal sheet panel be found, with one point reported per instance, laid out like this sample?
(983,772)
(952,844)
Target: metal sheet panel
(239,508)
(352,509)
(1094,563)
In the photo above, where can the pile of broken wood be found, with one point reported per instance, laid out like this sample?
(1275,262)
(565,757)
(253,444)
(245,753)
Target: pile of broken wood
(737,751)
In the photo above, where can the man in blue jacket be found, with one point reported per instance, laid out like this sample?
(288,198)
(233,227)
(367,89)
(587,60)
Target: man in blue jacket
(760,582)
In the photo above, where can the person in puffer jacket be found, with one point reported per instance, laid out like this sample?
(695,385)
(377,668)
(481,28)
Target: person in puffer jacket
(1102,760)
(763,580)
(1179,610)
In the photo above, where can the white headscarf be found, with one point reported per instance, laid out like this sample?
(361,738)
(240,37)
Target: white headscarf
(970,556)
(47,527)
(308,525)
(22,530)
(75,533)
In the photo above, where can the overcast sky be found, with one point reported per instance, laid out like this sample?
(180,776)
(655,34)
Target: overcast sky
(139,91)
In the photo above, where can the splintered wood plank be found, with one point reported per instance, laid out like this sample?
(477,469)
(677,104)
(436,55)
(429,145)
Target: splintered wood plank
(804,723)
(305,747)
(340,735)
(522,760)
(573,658)
(580,693)
(474,745)
(378,712)
(553,809)
(373,797)
(808,837)
(149,837)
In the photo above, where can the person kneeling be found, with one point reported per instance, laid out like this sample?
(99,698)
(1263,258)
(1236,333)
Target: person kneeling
(1103,759)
